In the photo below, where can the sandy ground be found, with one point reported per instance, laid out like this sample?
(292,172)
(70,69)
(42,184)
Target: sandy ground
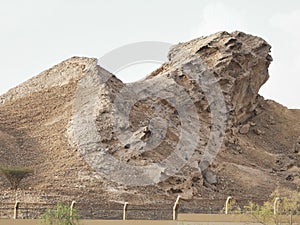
(114,222)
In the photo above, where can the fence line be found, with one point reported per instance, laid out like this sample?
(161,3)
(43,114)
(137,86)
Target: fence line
(117,211)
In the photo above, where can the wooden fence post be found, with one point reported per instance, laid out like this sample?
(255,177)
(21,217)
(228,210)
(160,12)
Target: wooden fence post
(226,204)
(175,208)
(125,210)
(16,210)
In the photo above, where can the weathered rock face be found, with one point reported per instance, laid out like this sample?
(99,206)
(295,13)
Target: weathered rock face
(239,63)
(194,127)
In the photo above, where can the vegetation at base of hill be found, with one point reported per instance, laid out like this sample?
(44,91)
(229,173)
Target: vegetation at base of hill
(60,215)
(280,208)
(15,175)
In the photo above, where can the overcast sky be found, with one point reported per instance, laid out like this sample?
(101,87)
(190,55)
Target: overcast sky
(37,34)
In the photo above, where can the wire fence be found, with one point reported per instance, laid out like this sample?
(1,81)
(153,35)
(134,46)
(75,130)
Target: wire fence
(116,211)
(34,211)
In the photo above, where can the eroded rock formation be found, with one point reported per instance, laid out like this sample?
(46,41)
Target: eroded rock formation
(196,127)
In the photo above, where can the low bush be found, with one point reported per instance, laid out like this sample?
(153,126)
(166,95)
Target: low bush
(15,175)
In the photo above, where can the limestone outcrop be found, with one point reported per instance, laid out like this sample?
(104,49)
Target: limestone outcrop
(196,126)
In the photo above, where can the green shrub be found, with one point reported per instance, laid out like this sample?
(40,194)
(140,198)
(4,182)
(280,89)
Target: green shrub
(15,175)
(60,215)
(288,204)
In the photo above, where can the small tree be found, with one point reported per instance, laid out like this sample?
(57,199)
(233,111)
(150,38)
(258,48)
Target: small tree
(288,205)
(60,215)
(15,175)
(262,213)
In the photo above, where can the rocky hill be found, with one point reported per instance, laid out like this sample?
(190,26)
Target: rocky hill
(195,127)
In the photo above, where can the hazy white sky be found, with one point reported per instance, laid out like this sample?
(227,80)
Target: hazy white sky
(36,34)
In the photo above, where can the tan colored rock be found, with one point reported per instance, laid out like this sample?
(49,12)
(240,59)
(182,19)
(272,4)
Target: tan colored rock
(245,129)
(258,131)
